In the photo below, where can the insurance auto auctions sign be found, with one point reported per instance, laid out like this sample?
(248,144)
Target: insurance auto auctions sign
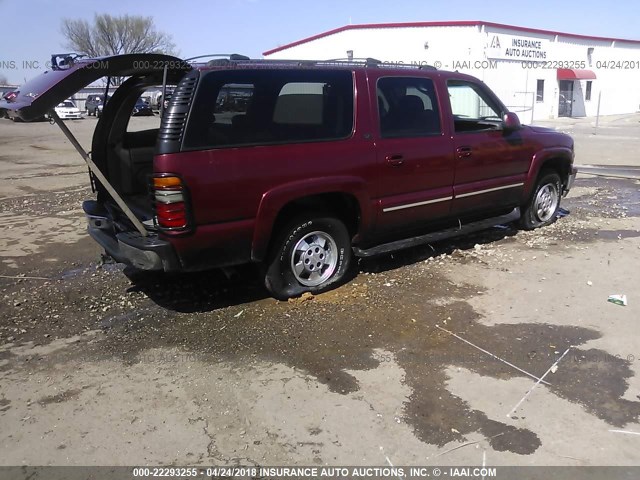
(511,47)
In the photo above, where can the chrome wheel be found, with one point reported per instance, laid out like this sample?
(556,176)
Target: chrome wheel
(314,258)
(546,202)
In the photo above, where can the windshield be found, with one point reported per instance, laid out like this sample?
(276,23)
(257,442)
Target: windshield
(67,104)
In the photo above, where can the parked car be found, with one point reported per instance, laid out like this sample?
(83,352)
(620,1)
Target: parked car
(165,102)
(4,113)
(93,102)
(160,101)
(68,110)
(10,97)
(142,108)
(320,163)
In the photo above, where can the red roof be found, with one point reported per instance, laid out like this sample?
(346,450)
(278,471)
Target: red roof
(457,23)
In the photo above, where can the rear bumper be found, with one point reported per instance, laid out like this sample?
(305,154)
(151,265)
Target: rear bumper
(131,248)
(70,116)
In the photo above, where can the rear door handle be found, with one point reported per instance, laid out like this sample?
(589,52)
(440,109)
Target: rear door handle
(463,152)
(395,160)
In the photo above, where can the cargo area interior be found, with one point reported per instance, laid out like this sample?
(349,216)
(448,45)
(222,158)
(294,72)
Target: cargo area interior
(130,169)
(124,152)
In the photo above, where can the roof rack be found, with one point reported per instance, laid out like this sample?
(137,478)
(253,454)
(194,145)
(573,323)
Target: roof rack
(243,60)
(226,59)
(227,56)
(373,62)
(368,61)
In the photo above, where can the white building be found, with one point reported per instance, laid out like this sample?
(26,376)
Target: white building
(538,73)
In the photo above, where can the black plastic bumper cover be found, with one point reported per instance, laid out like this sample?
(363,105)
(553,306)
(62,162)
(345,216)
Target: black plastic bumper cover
(130,248)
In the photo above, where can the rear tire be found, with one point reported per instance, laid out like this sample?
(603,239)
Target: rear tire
(543,205)
(312,253)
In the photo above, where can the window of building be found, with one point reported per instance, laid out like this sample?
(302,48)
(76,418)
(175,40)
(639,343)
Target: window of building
(587,93)
(473,107)
(540,91)
(407,107)
(259,107)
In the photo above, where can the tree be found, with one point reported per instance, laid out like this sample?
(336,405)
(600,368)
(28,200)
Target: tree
(109,35)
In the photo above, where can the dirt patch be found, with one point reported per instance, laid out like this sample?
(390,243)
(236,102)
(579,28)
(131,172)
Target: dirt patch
(606,197)
(328,338)
(386,315)
(60,397)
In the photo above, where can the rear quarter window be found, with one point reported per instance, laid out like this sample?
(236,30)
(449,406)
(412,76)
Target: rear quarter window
(262,107)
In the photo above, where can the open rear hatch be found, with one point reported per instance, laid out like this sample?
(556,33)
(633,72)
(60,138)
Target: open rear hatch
(42,93)
(68,75)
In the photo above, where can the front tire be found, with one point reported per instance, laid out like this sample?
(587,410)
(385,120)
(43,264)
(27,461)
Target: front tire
(543,205)
(311,254)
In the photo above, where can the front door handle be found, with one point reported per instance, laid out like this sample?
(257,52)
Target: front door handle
(463,152)
(395,160)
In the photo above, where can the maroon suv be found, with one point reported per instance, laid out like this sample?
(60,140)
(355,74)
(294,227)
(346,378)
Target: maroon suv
(301,165)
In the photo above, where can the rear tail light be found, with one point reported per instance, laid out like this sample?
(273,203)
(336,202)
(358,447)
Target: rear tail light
(172,212)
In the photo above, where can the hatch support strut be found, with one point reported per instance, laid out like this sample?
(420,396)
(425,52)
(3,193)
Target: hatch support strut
(96,171)
(164,90)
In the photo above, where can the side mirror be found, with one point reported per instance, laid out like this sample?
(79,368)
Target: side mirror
(510,122)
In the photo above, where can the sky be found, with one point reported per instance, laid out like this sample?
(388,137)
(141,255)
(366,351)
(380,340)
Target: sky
(30,29)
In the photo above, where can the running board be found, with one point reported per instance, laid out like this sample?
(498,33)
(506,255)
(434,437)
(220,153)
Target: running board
(99,175)
(437,236)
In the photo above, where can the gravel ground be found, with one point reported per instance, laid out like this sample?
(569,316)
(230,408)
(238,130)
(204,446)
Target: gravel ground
(104,366)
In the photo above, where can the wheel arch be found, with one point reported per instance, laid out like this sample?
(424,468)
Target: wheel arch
(278,207)
(559,160)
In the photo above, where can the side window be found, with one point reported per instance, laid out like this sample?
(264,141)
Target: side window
(407,107)
(472,108)
(261,107)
